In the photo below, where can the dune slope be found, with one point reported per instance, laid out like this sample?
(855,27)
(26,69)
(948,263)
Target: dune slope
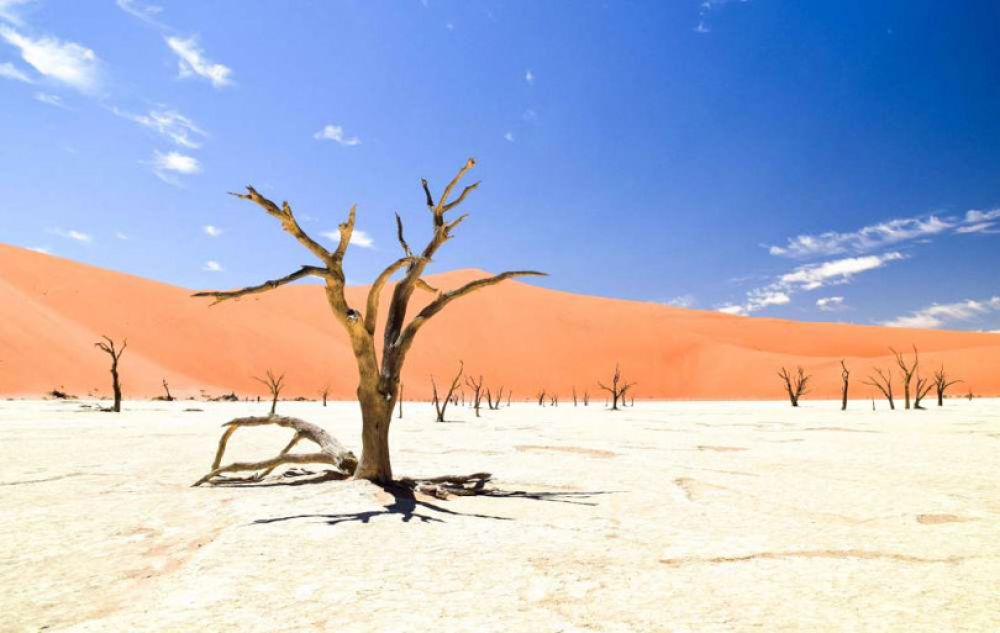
(517,335)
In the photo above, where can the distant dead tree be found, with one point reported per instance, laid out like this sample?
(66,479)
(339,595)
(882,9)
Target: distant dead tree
(797,385)
(970,395)
(908,371)
(108,347)
(325,393)
(477,391)
(541,398)
(941,384)
(586,398)
(882,382)
(923,386)
(554,400)
(166,388)
(491,403)
(618,388)
(274,384)
(440,406)
(508,398)
(574,395)
(378,387)
(845,375)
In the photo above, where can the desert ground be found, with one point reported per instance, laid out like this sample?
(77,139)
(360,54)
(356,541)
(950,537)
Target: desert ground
(694,516)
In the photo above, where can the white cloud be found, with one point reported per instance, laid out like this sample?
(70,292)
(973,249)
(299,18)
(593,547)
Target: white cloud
(211,230)
(121,236)
(146,13)
(938,314)
(192,62)
(72,234)
(52,100)
(683,301)
(809,277)
(530,115)
(702,27)
(865,239)
(450,26)
(980,222)
(66,62)
(212,266)
(44,250)
(336,133)
(509,137)
(168,123)
(529,77)
(358,238)
(10,71)
(830,304)
(7,12)
(177,162)
(838,271)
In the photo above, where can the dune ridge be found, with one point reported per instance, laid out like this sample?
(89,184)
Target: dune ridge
(518,335)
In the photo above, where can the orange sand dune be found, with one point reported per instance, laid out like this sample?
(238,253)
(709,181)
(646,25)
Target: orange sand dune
(52,310)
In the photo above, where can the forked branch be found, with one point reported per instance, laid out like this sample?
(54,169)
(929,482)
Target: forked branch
(222,295)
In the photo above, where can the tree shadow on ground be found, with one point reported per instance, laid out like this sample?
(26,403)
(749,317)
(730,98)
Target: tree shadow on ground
(406,503)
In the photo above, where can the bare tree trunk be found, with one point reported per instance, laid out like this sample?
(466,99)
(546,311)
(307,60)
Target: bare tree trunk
(574,395)
(477,393)
(617,389)
(796,386)
(941,384)
(166,388)
(440,407)
(908,371)
(882,382)
(845,376)
(400,401)
(108,347)
(274,384)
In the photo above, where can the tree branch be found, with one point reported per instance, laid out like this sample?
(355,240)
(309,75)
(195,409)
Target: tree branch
(288,223)
(402,240)
(222,295)
(371,310)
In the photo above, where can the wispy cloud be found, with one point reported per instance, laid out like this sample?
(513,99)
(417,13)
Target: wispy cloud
(358,238)
(866,239)
(44,250)
(192,62)
(121,236)
(168,123)
(509,137)
(830,304)
(336,133)
(10,71)
(212,266)
(165,166)
(211,230)
(72,234)
(705,10)
(683,301)
(8,12)
(883,234)
(939,314)
(66,62)
(809,277)
(145,12)
(529,77)
(52,100)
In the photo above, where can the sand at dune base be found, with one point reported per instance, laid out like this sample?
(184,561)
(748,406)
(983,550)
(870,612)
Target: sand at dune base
(665,517)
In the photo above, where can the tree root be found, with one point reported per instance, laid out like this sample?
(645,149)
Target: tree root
(330,452)
(444,486)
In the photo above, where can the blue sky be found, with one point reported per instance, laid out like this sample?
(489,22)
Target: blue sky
(818,161)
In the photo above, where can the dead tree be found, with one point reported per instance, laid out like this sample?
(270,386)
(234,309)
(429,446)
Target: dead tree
(845,375)
(586,397)
(330,450)
(941,384)
(274,384)
(923,386)
(908,371)
(796,386)
(574,395)
(441,406)
(378,386)
(108,347)
(508,398)
(325,393)
(491,403)
(882,382)
(554,400)
(477,391)
(541,398)
(166,388)
(618,388)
